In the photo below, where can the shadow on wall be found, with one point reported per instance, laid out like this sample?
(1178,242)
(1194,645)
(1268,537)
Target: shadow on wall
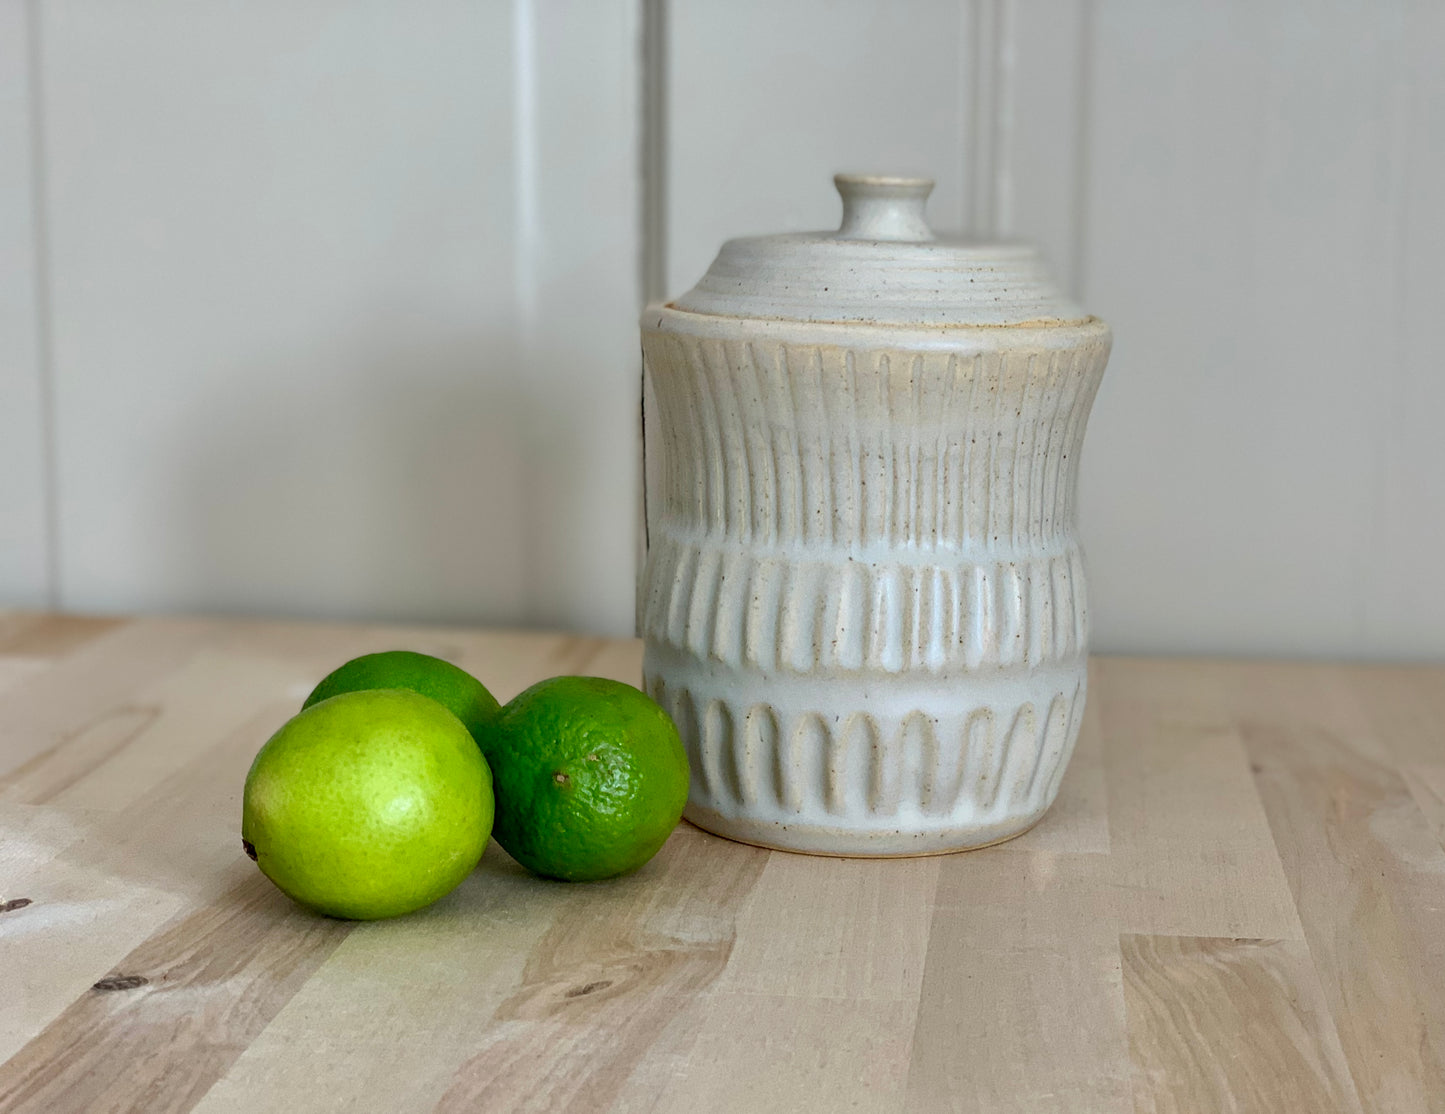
(396,488)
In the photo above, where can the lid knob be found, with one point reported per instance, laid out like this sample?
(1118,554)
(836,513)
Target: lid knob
(877,207)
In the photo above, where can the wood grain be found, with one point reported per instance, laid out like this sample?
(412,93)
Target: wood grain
(1191,848)
(157,1031)
(1234,907)
(1230,1026)
(1021,1008)
(601,986)
(1368,877)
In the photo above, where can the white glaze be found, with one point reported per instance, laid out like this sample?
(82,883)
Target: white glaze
(864,602)
(906,276)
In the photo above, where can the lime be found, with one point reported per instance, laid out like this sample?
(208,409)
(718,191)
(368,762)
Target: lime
(465,696)
(368,805)
(591,778)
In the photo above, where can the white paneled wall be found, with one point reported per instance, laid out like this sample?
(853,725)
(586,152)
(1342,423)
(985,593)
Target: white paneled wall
(329,308)
(341,299)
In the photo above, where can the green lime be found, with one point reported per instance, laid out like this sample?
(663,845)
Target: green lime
(368,805)
(455,688)
(591,778)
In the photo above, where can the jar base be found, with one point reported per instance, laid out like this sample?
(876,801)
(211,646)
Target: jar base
(843,843)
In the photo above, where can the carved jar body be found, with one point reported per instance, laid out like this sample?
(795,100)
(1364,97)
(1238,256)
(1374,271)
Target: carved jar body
(864,602)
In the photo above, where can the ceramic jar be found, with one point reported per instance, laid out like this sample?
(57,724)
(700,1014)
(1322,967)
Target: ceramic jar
(864,601)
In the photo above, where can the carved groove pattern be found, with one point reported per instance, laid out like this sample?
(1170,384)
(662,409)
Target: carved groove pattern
(765,611)
(927,450)
(825,508)
(999,762)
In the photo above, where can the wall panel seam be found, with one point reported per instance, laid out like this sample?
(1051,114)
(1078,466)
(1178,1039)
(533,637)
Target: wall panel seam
(1083,106)
(43,305)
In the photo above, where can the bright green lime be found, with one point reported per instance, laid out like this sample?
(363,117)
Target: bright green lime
(591,778)
(368,805)
(466,697)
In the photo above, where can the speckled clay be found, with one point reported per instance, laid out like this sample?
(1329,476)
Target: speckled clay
(864,600)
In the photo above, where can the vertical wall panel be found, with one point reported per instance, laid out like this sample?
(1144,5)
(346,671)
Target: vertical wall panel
(1046,93)
(580,325)
(1404,575)
(307,350)
(769,100)
(1240,189)
(24,555)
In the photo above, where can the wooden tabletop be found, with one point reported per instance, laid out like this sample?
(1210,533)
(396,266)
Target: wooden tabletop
(1238,904)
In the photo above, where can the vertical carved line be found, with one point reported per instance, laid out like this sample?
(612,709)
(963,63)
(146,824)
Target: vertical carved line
(702,603)
(658,586)
(890,433)
(1087,377)
(760,627)
(1016,401)
(757,440)
(827,444)
(1053,452)
(1048,637)
(1092,378)
(852,517)
(1020,734)
(1008,610)
(941,768)
(754,755)
(846,618)
(708,435)
(1080,587)
(842,438)
(1063,604)
(944,434)
(791,528)
(917,623)
(737,482)
(913,504)
(813,745)
(679,594)
(885,628)
(684,715)
(989,430)
(874,765)
(1028,435)
(691,431)
(802,631)
(1071,738)
(1059,370)
(927,421)
(789,762)
(666,426)
(729,606)
(1001,475)
(940,619)
(1026,463)
(718,742)
(836,769)
(1051,746)
(814,453)
(980,744)
(972,479)
(978,632)
(881,431)
(1064,470)
(1040,591)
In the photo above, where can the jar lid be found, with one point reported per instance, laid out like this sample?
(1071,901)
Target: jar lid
(883,266)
